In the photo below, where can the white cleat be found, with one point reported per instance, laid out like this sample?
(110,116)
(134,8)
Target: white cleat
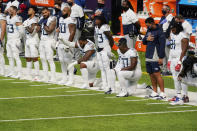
(9,75)
(62,82)
(29,78)
(69,83)
(122,94)
(85,86)
(45,79)
(18,76)
(36,78)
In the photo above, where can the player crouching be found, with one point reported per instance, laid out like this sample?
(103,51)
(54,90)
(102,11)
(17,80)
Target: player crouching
(88,61)
(31,46)
(128,69)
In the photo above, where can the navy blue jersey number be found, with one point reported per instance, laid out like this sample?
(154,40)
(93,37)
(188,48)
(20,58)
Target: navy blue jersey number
(62,27)
(11,28)
(172,44)
(100,38)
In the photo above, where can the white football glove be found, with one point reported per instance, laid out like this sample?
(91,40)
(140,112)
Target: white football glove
(71,65)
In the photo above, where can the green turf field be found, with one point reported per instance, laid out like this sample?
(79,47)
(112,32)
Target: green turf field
(34,106)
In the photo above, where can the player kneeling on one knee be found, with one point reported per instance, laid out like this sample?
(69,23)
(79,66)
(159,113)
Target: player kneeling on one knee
(88,62)
(128,69)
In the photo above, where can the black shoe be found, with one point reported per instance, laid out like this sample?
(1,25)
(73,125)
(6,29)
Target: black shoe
(108,92)
(75,71)
(149,87)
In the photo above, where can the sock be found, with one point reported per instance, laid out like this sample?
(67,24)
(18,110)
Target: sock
(11,64)
(2,62)
(45,67)
(29,67)
(19,65)
(84,73)
(52,67)
(37,67)
(71,74)
(184,89)
(64,70)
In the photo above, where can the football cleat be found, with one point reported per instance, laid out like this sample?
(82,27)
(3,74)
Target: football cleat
(185,99)
(122,94)
(178,101)
(172,99)
(109,91)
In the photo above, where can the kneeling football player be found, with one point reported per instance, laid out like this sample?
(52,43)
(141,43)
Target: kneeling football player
(88,61)
(128,69)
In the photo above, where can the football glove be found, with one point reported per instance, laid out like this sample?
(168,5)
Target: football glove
(178,67)
(168,65)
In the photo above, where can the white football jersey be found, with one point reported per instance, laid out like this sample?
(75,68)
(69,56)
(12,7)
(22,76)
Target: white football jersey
(2,17)
(167,22)
(12,29)
(187,29)
(29,21)
(89,46)
(175,47)
(44,35)
(124,60)
(101,37)
(64,27)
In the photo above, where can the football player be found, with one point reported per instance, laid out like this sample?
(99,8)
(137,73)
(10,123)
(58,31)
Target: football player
(2,36)
(104,43)
(67,29)
(14,23)
(128,69)
(179,46)
(32,41)
(47,27)
(88,61)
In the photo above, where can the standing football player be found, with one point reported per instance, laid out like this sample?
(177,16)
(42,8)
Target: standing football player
(14,23)
(47,27)
(179,46)
(104,44)
(128,69)
(2,36)
(88,61)
(67,29)
(32,41)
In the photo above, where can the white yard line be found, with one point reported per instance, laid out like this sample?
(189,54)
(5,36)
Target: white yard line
(156,103)
(111,97)
(137,100)
(55,88)
(171,107)
(7,79)
(19,82)
(41,85)
(94,116)
(77,91)
(32,97)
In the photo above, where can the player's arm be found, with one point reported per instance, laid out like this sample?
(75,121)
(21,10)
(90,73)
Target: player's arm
(87,56)
(19,23)
(109,37)
(72,30)
(3,29)
(184,46)
(132,66)
(49,29)
(31,28)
